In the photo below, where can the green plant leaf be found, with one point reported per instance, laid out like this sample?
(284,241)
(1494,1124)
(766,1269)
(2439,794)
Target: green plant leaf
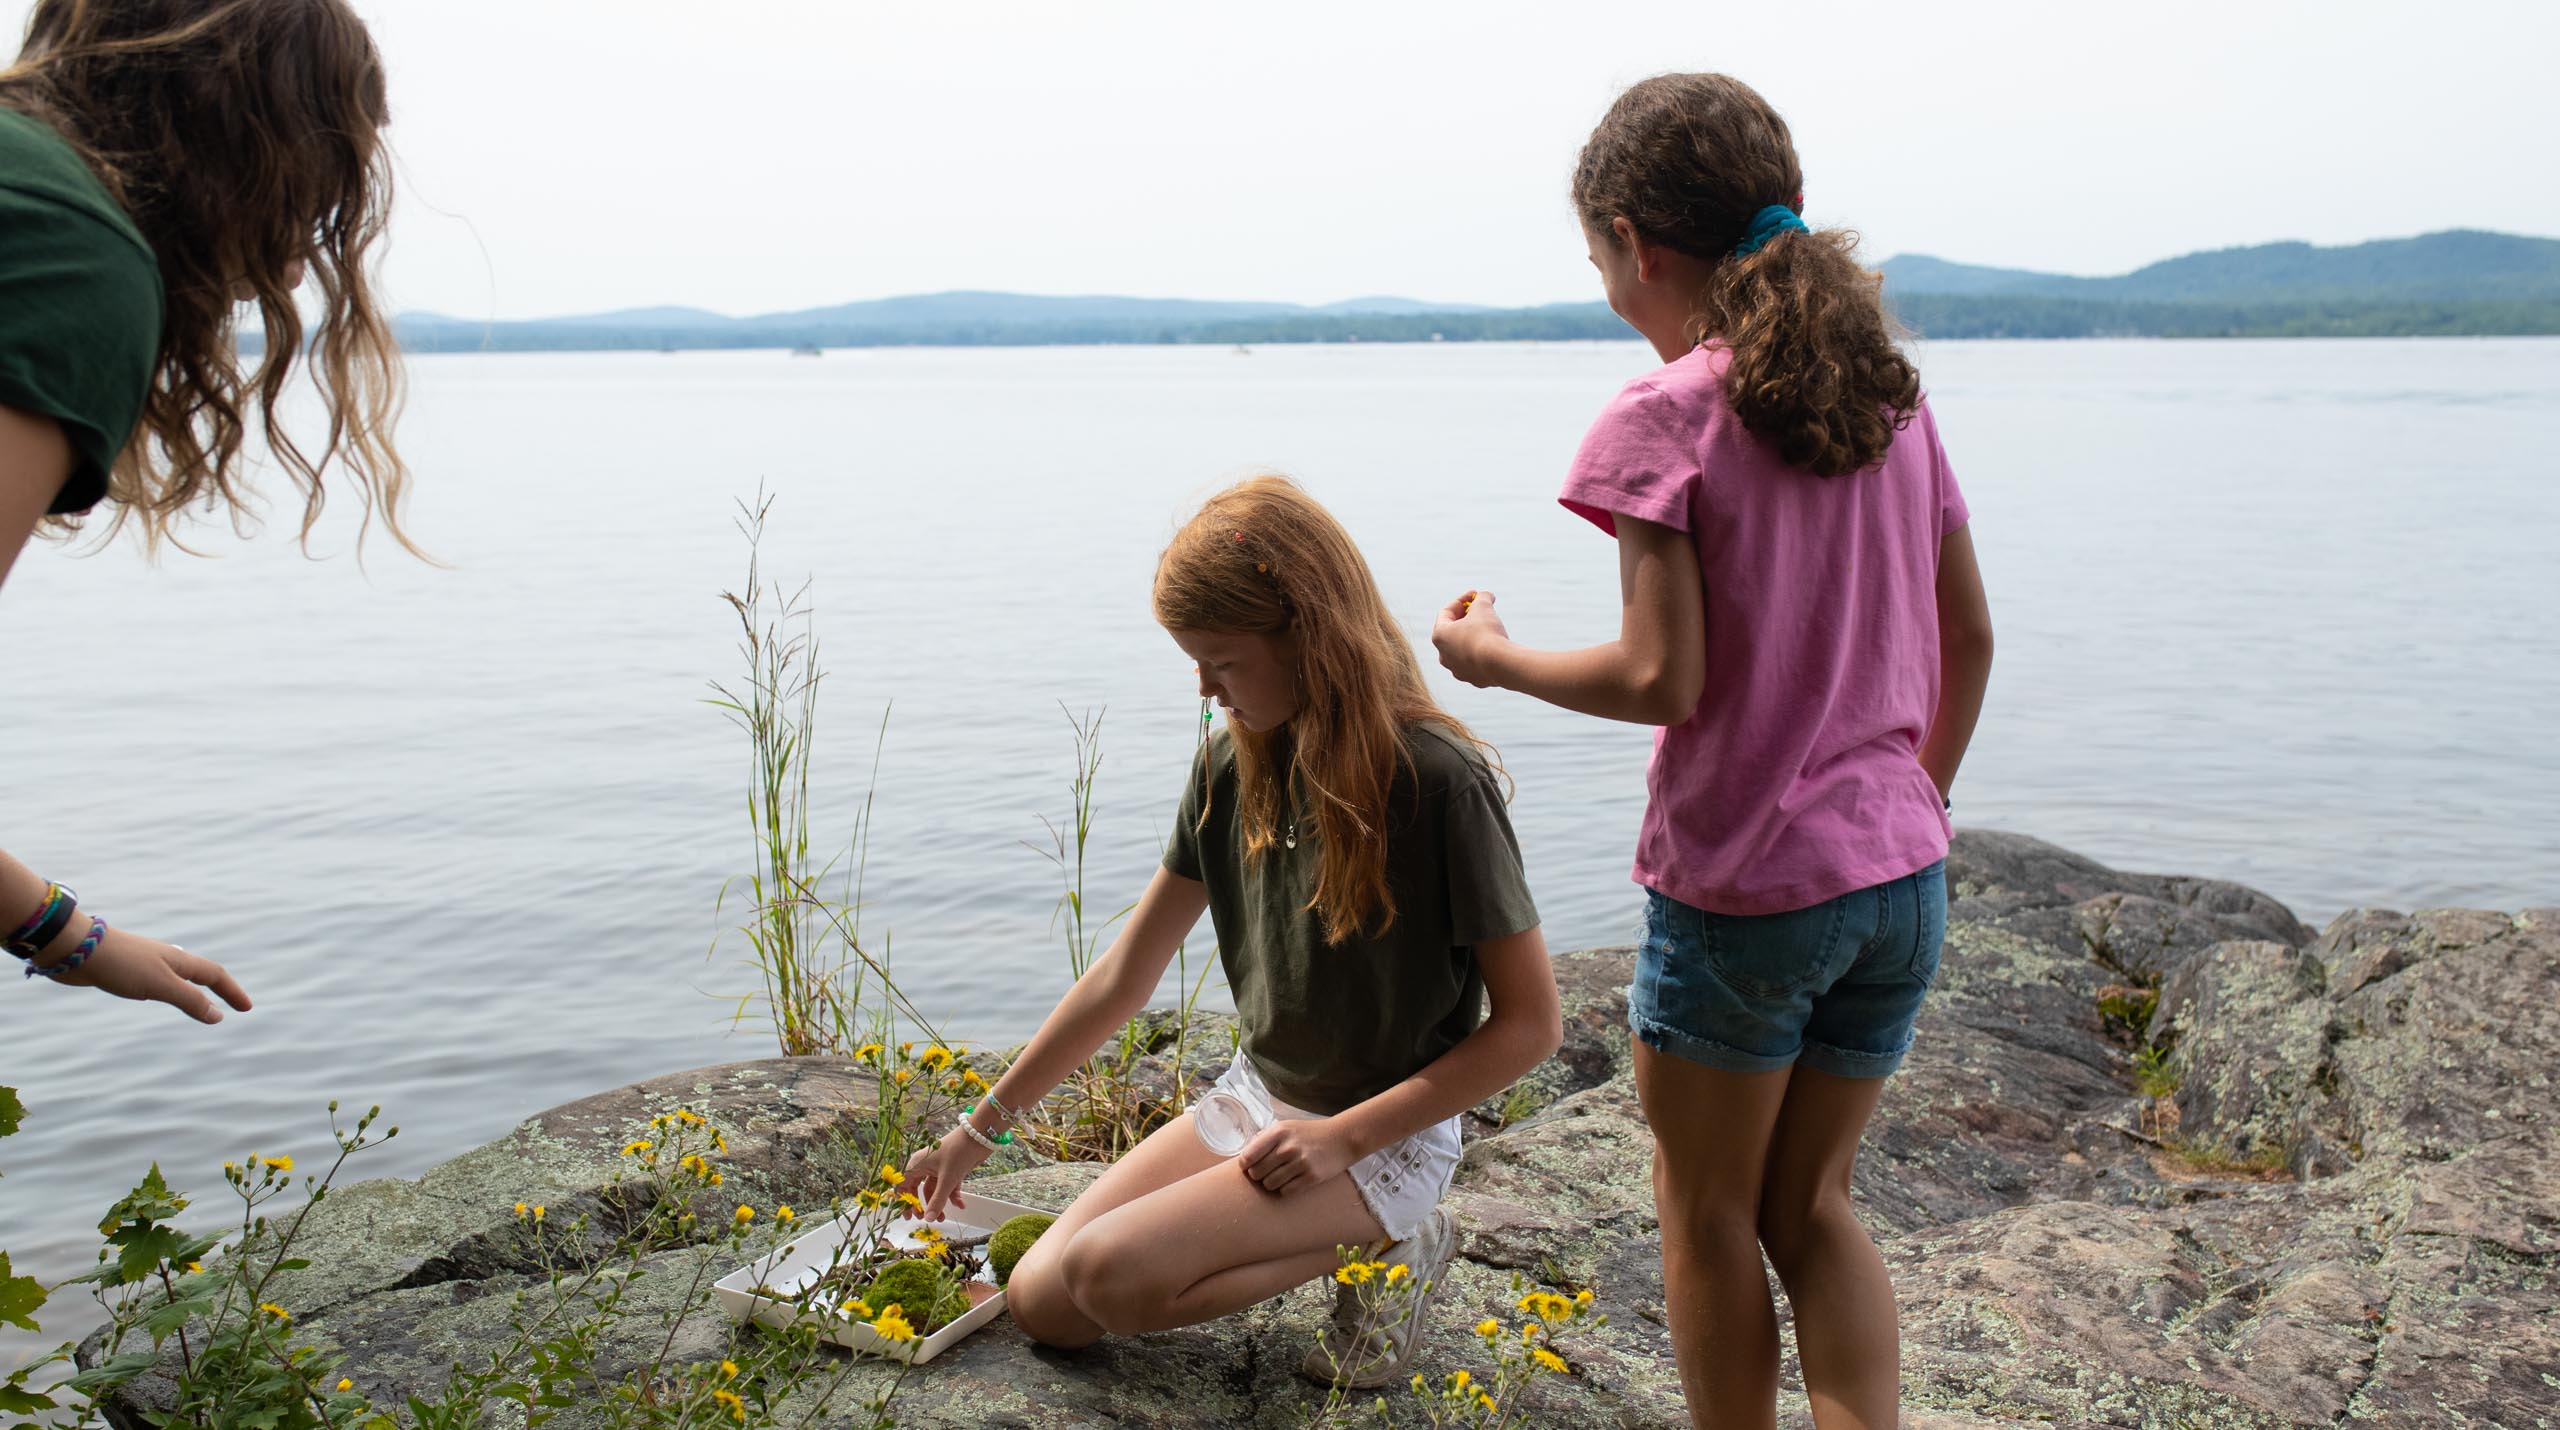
(168,1316)
(112,1372)
(145,1248)
(19,1298)
(12,1111)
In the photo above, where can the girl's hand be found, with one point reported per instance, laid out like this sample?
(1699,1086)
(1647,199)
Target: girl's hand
(1466,634)
(934,1174)
(147,970)
(1287,1158)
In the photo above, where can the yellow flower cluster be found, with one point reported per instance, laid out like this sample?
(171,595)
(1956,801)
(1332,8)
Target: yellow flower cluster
(1548,1306)
(892,1324)
(1361,1273)
(272,1309)
(729,1401)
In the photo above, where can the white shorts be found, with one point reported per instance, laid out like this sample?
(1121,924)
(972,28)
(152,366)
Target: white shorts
(1400,1183)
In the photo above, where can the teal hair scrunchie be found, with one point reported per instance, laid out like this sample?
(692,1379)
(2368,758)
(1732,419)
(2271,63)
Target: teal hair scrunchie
(1765,225)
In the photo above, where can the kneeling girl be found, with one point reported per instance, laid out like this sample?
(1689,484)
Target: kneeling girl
(1348,838)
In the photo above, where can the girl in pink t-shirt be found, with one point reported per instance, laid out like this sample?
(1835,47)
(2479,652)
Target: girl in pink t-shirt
(1804,620)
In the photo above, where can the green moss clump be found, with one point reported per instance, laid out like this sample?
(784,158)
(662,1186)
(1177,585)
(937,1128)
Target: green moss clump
(928,1294)
(1005,1248)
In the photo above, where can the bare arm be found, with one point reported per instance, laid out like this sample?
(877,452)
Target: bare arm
(35,460)
(1964,659)
(1111,992)
(1652,674)
(1525,1028)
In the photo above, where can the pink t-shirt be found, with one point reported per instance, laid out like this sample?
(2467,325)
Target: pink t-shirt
(1797,778)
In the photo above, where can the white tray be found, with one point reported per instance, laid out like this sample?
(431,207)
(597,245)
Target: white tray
(812,1253)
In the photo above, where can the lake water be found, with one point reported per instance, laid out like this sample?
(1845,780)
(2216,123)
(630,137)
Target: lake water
(2280,612)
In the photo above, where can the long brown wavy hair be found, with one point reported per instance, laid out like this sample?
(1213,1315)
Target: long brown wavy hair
(1264,558)
(1817,368)
(242,137)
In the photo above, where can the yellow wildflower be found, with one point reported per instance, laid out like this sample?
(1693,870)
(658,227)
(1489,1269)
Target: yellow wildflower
(729,1401)
(718,1142)
(717,1179)
(728,1370)
(1549,1359)
(745,1214)
(345,1385)
(1398,1272)
(520,1210)
(906,1049)
(936,1058)
(1356,1273)
(867,1198)
(281,1164)
(1488,1328)
(1582,1297)
(636,1146)
(1417,1383)
(194,1266)
(1486,1401)
(891,1175)
(858,1309)
(538,1210)
(909,1199)
(892,1325)
(272,1309)
(1459,1379)
(866,1052)
(903,1076)
(970,1077)
(783,1214)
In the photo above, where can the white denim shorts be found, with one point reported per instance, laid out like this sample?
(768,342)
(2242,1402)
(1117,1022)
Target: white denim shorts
(1399,1183)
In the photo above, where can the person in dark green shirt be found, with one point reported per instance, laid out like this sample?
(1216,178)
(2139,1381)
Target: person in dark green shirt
(1348,839)
(163,162)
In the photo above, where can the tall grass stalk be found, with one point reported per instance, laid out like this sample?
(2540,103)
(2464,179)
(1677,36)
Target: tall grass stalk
(815,970)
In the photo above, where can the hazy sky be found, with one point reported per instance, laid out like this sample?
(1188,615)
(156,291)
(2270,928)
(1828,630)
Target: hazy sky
(577,155)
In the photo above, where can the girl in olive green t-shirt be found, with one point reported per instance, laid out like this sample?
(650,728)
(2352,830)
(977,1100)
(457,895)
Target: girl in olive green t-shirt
(159,165)
(1349,841)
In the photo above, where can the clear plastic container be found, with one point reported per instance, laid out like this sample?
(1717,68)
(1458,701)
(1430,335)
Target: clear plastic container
(1227,1117)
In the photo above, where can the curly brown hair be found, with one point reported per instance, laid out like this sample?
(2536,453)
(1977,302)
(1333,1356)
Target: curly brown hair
(243,137)
(1265,558)
(1817,368)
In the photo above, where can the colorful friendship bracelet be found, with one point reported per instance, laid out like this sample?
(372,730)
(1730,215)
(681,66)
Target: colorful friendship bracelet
(80,955)
(49,920)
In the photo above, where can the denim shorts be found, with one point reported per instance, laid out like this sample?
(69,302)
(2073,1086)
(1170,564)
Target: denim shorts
(1835,986)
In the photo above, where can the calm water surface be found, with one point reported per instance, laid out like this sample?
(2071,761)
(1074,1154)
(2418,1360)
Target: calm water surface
(2278,612)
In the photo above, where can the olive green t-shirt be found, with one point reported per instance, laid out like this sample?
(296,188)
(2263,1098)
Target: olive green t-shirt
(1331,1026)
(80,303)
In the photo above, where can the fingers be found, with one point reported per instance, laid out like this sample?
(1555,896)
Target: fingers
(1457,609)
(198,969)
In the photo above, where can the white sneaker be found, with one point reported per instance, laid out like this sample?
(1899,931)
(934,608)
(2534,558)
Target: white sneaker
(1356,1352)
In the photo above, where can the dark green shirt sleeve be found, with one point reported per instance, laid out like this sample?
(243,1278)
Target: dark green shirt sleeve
(79,329)
(1488,890)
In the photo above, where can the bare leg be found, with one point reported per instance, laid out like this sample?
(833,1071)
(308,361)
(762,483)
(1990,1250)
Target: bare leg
(1037,1294)
(1711,1135)
(1174,1235)
(1847,1330)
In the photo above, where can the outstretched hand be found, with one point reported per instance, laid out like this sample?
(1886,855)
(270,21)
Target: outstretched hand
(1466,634)
(147,970)
(935,1173)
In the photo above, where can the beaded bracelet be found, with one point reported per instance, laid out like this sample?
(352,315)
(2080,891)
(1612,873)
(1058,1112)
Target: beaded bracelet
(80,955)
(991,1144)
(47,923)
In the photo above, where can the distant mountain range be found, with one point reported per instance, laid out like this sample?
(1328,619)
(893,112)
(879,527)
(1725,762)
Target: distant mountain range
(2463,281)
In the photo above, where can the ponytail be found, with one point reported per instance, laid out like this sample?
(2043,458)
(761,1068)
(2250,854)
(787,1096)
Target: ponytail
(1701,164)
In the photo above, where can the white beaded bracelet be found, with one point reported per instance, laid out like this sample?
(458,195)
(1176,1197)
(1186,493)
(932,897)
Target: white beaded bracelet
(977,1136)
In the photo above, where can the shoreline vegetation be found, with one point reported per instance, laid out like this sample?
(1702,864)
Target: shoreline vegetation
(200,1327)
(2460,283)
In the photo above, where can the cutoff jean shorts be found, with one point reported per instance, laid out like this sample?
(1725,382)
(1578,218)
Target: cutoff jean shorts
(1399,1183)
(1835,986)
